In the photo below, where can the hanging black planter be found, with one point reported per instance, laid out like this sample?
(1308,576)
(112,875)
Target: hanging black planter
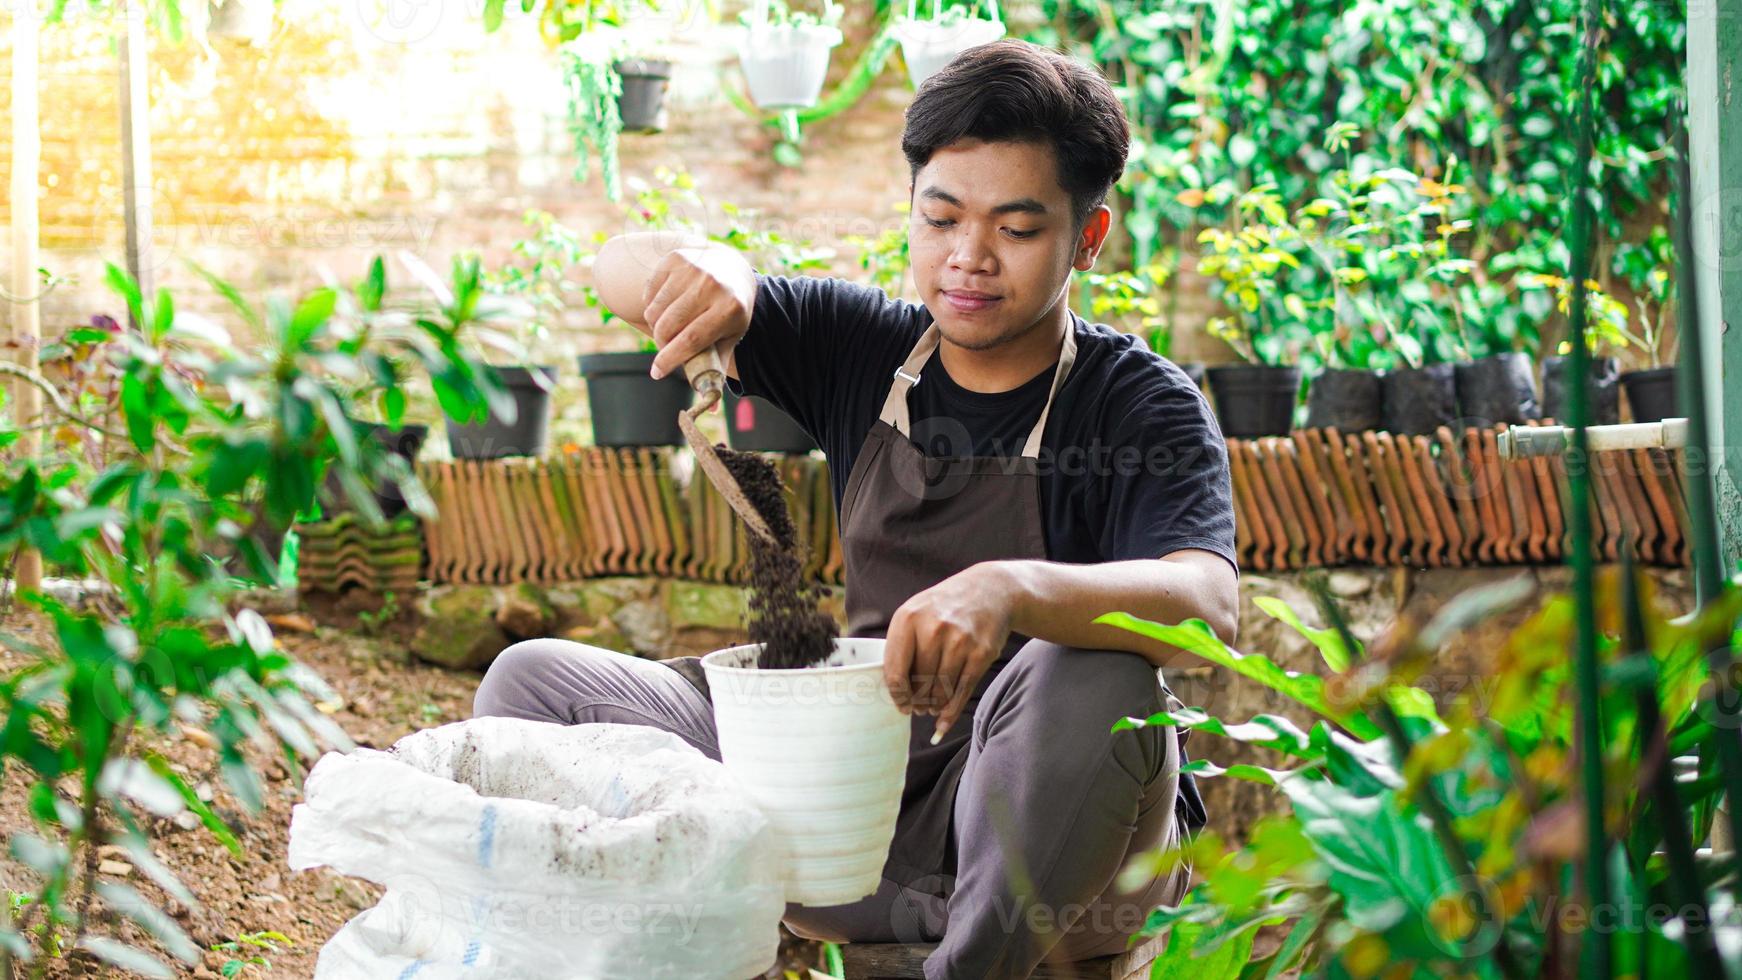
(1346,399)
(755,425)
(629,408)
(1497,388)
(642,104)
(1254,399)
(1416,401)
(1651,394)
(494,437)
(1605,390)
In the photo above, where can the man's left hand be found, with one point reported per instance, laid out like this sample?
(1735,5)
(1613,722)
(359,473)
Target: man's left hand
(942,640)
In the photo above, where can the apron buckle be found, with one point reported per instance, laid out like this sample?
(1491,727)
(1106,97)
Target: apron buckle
(901,372)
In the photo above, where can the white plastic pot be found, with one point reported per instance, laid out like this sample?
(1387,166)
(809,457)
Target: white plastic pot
(785,64)
(823,752)
(927,46)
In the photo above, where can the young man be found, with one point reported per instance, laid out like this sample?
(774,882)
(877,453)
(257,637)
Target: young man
(1004,473)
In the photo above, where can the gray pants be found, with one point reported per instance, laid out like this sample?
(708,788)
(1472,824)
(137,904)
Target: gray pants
(1050,807)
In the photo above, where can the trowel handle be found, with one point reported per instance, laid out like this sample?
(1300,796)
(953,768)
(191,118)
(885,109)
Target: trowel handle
(706,371)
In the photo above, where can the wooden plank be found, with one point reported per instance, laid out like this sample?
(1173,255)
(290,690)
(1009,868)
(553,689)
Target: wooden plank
(896,961)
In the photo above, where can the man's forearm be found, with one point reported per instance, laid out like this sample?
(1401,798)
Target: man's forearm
(1059,602)
(625,263)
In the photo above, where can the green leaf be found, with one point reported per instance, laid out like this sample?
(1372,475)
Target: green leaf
(127,901)
(1194,636)
(212,821)
(1383,860)
(492,15)
(311,314)
(230,294)
(374,285)
(127,957)
(44,857)
(122,283)
(1182,959)
(1328,641)
(1265,731)
(136,405)
(162,316)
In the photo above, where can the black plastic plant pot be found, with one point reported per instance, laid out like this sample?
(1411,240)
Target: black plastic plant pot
(1651,394)
(1254,400)
(1416,401)
(1499,388)
(1346,399)
(494,437)
(629,408)
(755,425)
(406,443)
(1605,391)
(642,104)
(1195,371)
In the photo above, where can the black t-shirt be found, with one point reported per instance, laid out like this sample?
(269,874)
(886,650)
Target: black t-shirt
(1132,463)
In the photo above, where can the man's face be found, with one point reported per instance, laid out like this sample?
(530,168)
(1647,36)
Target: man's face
(991,239)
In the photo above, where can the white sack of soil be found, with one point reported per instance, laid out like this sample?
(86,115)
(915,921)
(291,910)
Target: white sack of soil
(513,849)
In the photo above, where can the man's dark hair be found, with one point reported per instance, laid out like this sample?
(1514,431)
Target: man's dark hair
(1015,91)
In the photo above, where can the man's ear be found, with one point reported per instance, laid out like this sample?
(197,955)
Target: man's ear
(1094,235)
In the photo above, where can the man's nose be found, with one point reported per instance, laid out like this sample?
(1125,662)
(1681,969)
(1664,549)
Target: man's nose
(970,251)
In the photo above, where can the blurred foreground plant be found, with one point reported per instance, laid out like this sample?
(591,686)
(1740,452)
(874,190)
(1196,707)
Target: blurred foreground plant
(198,437)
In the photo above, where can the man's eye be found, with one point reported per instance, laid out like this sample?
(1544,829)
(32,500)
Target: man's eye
(937,223)
(1024,234)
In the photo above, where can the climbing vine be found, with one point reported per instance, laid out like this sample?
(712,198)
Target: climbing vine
(1225,96)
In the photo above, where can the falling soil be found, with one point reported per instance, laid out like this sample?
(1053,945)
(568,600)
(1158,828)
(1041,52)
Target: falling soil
(783,607)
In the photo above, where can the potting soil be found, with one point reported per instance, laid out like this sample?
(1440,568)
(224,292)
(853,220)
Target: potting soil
(783,607)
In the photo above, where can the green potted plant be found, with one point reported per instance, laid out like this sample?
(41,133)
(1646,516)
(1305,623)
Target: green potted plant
(785,53)
(1383,300)
(1605,331)
(517,421)
(1651,391)
(593,90)
(1129,301)
(928,45)
(628,408)
(1246,263)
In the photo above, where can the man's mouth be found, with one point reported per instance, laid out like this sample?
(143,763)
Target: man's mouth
(968,301)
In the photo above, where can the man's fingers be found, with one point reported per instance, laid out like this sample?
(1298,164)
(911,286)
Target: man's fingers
(924,669)
(897,656)
(698,336)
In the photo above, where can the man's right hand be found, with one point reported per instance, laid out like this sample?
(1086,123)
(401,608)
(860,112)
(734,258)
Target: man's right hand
(697,294)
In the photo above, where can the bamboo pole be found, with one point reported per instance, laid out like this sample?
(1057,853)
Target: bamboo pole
(26,330)
(1595,955)
(136,149)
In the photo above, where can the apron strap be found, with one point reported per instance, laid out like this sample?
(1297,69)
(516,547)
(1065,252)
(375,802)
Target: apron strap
(907,375)
(1067,357)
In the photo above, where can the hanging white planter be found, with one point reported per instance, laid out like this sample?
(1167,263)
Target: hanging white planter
(823,752)
(785,64)
(928,45)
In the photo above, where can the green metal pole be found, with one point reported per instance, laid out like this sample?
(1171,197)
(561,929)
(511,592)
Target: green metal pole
(1714,68)
(1595,961)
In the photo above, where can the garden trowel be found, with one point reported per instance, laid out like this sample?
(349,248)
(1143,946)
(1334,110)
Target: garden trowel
(707,374)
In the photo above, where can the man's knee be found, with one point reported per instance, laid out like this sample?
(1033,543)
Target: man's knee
(1067,682)
(1064,701)
(520,668)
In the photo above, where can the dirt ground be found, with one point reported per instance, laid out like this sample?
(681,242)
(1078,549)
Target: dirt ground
(386,696)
